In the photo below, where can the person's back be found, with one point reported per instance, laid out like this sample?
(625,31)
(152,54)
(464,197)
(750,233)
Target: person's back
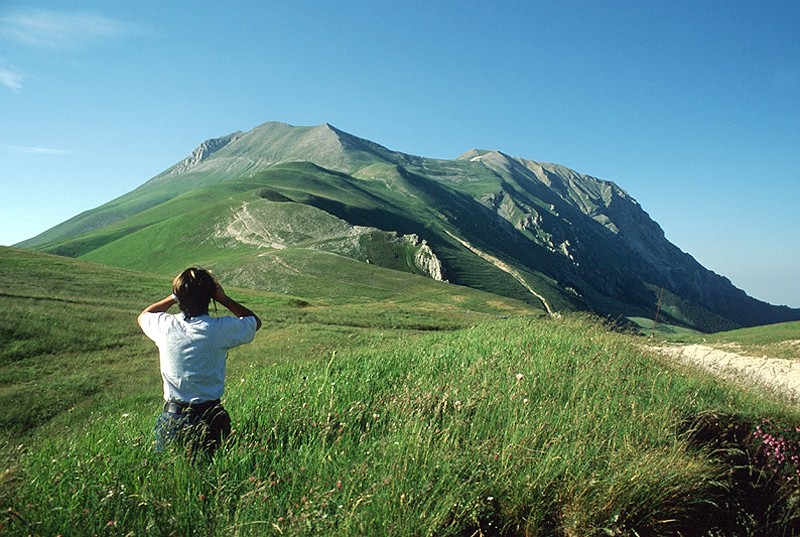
(193,354)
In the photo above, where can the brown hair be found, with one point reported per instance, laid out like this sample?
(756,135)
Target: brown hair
(194,288)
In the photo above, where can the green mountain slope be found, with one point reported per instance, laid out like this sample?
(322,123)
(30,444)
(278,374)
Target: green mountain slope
(533,231)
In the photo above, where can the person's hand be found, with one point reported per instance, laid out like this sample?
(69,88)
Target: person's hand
(219,294)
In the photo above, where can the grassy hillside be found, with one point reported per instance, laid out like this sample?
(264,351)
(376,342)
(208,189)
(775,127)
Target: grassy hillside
(435,410)
(69,334)
(302,206)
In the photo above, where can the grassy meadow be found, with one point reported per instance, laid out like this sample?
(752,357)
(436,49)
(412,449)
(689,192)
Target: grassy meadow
(433,411)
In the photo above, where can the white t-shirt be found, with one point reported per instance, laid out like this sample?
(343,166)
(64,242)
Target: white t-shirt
(193,353)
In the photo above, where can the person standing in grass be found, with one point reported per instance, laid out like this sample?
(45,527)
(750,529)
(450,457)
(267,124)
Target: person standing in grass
(193,348)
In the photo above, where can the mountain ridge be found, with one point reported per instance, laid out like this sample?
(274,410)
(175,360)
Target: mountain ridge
(581,242)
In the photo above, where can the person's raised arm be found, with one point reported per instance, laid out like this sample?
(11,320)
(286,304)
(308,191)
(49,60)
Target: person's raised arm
(158,307)
(235,307)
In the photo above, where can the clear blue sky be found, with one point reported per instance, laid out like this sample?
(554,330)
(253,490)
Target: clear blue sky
(692,107)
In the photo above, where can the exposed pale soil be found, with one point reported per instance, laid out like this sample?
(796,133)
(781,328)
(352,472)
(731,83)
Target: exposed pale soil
(779,376)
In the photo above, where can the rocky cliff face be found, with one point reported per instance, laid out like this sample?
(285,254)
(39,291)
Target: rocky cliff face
(201,153)
(610,244)
(425,259)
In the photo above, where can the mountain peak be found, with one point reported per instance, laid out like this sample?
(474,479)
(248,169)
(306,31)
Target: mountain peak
(475,155)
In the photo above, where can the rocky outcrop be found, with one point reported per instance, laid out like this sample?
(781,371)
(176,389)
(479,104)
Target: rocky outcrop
(424,258)
(201,153)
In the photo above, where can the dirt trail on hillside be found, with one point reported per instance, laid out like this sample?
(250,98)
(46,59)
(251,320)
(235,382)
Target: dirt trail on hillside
(777,375)
(505,268)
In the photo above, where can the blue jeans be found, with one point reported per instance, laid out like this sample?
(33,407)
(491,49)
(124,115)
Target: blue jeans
(192,429)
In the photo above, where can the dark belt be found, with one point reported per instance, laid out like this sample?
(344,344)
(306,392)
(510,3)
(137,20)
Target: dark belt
(182,407)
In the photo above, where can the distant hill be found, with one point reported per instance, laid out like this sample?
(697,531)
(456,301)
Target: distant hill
(255,205)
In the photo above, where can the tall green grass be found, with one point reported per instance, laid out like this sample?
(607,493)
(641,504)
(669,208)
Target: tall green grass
(377,417)
(69,339)
(520,427)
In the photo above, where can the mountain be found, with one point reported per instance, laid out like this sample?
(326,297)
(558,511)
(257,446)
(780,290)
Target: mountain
(269,206)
